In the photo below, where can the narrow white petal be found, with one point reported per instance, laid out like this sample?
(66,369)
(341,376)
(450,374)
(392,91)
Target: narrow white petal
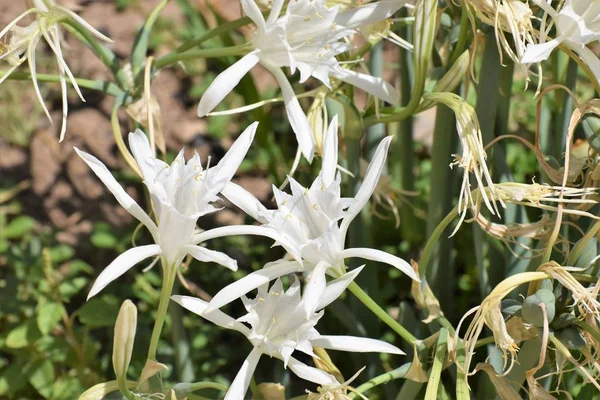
(381,256)
(336,287)
(369,13)
(245,201)
(315,287)
(140,148)
(330,153)
(122,264)
(296,116)
(32,70)
(311,374)
(117,190)
(234,230)
(225,82)
(535,53)
(227,167)
(590,59)
(217,317)
(369,183)
(239,386)
(16,21)
(253,12)
(86,25)
(355,344)
(371,84)
(250,282)
(206,255)
(276,7)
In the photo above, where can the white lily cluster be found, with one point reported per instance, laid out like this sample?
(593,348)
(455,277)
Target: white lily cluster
(181,193)
(577,24)
(315,222)
(23,43)
(307,37)
(279,326)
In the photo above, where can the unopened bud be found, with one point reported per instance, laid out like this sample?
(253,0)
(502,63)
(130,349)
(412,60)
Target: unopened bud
(124,338)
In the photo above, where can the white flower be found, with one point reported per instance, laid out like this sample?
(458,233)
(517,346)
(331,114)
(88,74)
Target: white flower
(23,43)
(307,37)
(316,222)
(181,193)
(278,327)
(577,24)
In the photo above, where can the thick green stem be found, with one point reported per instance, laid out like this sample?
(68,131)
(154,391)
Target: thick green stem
(173,58)
(398,373)
(385,317)
(229,26)
(102,86)
(169,273)
(433,240)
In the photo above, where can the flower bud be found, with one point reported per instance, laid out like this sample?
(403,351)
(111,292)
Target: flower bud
(124,338)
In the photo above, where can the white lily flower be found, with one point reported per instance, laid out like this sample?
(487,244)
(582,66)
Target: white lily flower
(577,24)
(278,327)
(181,193)
(316,221)
(307,37)
(23,43)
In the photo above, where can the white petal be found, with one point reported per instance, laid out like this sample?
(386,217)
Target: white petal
(253,12)
(227,167)
(369,183)
(16,21)
(535,53)
(276,7)
(140,148)
(117,190)
(368,14)
(355,344)
(590,59)
(330,153)
(336,287)
(315,287)
(371,84)
(245,201)
(122,264)
(296,116)
(380,256)
(234,230)
(250,282)
(206,255)
(85,24)
(217,317)
(225,82)
(239,386)
(32,69)
(311,374)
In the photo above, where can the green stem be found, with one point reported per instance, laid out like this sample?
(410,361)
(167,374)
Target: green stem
(173,58)
(105,55)
(438,364)
(102,86)
(398,373)
(463,35)
(385,317)
(116,128)
(229,26)
(433,240)
(163,304)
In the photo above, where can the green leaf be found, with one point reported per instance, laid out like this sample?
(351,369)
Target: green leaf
(66,388)
(11,378)
(140,45)
(70,288)
(49,314)
(42,377)
(104,240)
(99,312)
(23,335)
(19,227)
(61,253)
